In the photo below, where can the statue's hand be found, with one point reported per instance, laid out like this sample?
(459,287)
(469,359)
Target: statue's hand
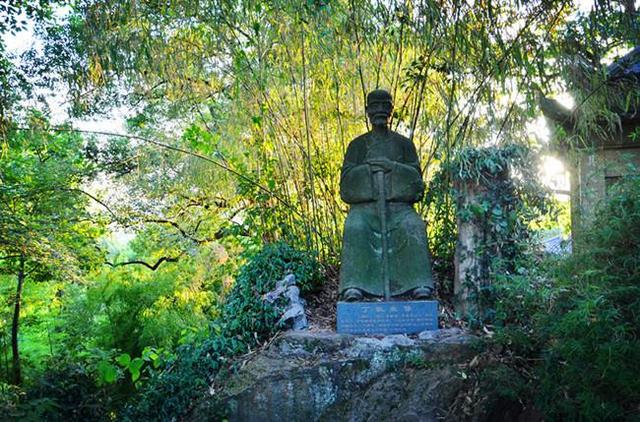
(380,164)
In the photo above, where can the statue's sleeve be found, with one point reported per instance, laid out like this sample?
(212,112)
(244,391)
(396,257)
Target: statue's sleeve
(406,177)
(355,178)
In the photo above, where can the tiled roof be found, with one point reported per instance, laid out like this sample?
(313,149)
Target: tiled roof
(626,67)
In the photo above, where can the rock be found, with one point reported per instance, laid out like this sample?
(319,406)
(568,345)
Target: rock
(293,315)
(324,376)
(446,335)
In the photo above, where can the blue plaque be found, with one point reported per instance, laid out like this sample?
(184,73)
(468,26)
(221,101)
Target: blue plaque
(409,317)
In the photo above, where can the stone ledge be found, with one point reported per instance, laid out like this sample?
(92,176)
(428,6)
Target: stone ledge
(302,343)
(314,376)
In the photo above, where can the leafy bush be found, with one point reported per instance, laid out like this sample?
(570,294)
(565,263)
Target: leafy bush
(246,322)
(592,355)
(579,331)
(246,313)
(68,392)
(509,201)
(10,396)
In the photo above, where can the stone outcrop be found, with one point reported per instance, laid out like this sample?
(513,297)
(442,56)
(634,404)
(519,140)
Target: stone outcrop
(324,376)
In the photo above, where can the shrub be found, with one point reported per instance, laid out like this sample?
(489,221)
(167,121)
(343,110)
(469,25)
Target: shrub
(246,322)
(592,357)
(68,392)
(578,330)
(509,201)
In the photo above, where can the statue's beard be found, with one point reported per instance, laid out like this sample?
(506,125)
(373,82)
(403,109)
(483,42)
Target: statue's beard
(380,120)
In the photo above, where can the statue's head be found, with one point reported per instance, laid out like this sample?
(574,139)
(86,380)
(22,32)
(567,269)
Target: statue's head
(379,107)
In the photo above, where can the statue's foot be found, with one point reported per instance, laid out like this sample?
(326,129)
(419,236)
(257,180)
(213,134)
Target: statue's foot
(421,293)
(352,295)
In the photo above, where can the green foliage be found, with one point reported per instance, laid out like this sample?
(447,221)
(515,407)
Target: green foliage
(46,230)
(15,15)
(247,313)
(593,355)
(601,95)
(70,388)
(508,202)
(270,93)
(68,391)
(579,330)
(11,85)
(442,229)
(511,199)
(40,334)
(247,321)
(9,399)
(132,307)
(45,216)
(14,81)
(244,113)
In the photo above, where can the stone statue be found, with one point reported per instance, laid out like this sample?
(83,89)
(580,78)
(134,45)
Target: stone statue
(384,250)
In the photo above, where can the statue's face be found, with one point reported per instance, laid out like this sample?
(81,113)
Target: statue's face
(379,112)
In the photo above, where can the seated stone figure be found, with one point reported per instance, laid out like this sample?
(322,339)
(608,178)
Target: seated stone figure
(384,250)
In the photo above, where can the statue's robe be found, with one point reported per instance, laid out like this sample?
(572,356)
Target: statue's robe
(409,263)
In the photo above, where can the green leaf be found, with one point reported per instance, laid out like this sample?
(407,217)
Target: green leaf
(123,360)
(108,372)
(134,368)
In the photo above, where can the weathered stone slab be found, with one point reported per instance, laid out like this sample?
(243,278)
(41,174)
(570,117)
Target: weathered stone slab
(324,376)
(409,317)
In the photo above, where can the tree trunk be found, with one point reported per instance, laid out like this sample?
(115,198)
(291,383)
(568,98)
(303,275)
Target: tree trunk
(17,376)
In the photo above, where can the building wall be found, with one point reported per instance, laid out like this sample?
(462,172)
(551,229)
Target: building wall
(594,172)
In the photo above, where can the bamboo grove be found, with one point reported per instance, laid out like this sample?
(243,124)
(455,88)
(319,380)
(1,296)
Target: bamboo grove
(272,92)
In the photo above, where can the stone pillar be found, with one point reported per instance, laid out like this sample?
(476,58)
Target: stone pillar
(466,261)
(473,255)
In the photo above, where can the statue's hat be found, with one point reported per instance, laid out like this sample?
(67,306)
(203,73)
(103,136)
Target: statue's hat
(379,95)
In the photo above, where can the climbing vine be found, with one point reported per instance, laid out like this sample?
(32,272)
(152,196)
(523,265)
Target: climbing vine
(507,201)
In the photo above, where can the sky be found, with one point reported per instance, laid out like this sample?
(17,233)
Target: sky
(24,41)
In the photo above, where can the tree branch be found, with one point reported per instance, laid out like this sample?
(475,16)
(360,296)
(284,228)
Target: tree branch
(181,230)
(151,267)
(183,151)
(105,206)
